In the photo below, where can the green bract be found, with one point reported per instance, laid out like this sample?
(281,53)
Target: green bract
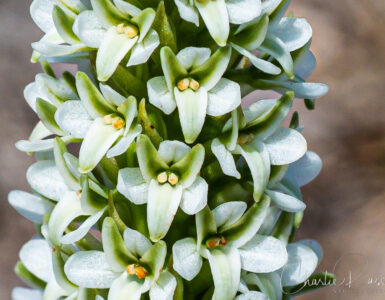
(152,181)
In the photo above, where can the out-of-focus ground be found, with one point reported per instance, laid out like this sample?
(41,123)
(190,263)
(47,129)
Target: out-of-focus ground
(345,205)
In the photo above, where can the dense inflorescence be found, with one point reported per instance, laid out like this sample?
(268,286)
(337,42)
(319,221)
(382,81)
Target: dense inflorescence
(177,191)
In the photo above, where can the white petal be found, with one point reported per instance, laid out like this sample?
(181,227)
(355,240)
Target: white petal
(127,7)
(263,254)
(305,169)
(30,206)
(34,146)
(307,67)
(51,49)
(302,263)
(41,13)
(136,242)
(192,107)
(228,213)
(111,95)
(88,28)
(132,185)
(73,118)
(268,6)
(125,288)
(294,32)
(53,291)
(143,50)
(31,92)
(83,229)
(285,146)
(187,11)
(194,198)
(252,295)
(90,269)
(44,178)
(224,97)
(315,246)
(122,145)
(164,287)
(193,56)
(36,256)
(243,11)
(162,205)
(286,202)
(160,96)
(225,159)
(186,258)
(20,293)
(172,151)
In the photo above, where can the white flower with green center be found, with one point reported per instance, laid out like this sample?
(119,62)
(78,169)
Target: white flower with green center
(166,179)
(129,267)
(117,31)
(56,18)
(101,119)
(193,83)
(258,137)
(42,267)
(218,14)
(227,237)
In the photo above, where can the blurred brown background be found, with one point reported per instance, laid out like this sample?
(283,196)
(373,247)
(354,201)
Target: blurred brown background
(346,204)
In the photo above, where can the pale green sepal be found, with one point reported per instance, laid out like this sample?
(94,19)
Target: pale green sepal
(63,24)
(136,242)
(186,258)
(88,28)
(228,213)
(189,166)
(142,51)
(150,162)
(124,143)
(91,202)
(162,205)
(216,18)
(154,258)
(91,98)
(117,253)
(276,48)
(277,14)
(58,269)
(107,13)
(128,7)
(269,284)
(192,107)
(28,278)
(164,287)
(54,50)
(20,293)
(205,224)
(67,210)
(210,72)
(160,96)
(46,113)
(112,96)
(246,227)
(225,158)
(305,169)
(95,145)
(112,50)
(53,291)
(59,148)
(286,202)
(225,267)
(90,269)
(41,11)
(243,11)
(172,68)
(144,21)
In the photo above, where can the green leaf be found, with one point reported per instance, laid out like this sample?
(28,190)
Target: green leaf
(247,226)
(172,68)
(189,166)
(154,258)
(28,277)
(252,35)
(210,72)
(91,97)
(163,27)
(150,162)
(117,254)
(46,113)
(59,148)
(64,24)
(205,224)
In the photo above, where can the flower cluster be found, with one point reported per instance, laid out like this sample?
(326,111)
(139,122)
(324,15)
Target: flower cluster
(177,191)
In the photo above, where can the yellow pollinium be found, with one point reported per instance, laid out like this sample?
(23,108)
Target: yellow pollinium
(114,120)
(164,177)
(186,83)
(130,31)
(137,270)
